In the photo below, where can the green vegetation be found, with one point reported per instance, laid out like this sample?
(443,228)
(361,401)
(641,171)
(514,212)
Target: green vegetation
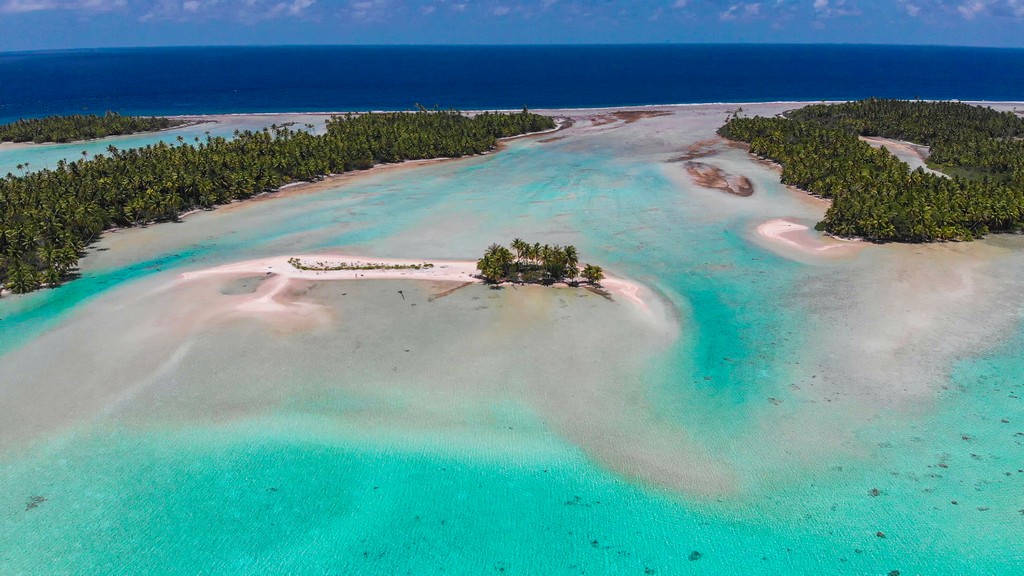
(592,273)
(876,196)
(535,264)
(81,127)
(325,267)
(48,217)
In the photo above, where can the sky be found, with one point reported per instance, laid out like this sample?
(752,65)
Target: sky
(60,24)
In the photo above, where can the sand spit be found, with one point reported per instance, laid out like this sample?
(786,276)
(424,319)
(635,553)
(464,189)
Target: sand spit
(708,176)
(270,297)
(794,235)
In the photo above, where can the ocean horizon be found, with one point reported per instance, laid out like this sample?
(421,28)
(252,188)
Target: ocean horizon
(275,79)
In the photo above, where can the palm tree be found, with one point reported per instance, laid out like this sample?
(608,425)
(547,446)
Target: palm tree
(593,274)
(572,262)
(521,248)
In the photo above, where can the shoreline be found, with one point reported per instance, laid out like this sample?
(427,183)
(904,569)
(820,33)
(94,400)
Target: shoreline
(333,180)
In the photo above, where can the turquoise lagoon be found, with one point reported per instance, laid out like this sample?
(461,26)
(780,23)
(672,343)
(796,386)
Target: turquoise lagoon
(774,413)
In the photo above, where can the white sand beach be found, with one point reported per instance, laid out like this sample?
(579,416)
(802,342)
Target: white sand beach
(796,236)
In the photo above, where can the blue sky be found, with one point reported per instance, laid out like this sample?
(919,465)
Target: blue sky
(51,24)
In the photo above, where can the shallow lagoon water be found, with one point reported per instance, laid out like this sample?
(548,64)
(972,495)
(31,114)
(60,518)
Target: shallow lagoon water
(743,428)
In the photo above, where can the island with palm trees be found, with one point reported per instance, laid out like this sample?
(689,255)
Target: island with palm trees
(526,263)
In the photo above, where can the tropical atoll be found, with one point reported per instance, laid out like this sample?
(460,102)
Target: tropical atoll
(875,195)
(48,217)
(535,264)
(81,127)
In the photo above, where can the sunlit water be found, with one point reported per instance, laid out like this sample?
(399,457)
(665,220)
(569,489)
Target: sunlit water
(772,414)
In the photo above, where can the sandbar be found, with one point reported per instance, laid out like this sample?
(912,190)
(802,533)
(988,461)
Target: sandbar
(797,236)
(281,270)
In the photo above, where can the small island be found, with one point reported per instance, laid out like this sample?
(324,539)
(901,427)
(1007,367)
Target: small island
(61,129)
(543,265)
(875,196)
(526,263)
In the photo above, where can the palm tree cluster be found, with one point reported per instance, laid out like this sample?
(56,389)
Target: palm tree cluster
(875,195)
(47,217)
(535,264)
(81,127)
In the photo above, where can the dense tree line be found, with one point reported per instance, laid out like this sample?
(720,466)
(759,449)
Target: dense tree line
(912,120)
(875,195)
(48,217)
(81,127)
(535,264)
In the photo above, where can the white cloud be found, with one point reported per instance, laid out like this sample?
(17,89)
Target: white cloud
(971,9)
(834,8)
(966,9)
(245,11)
(22,6)
(368,10)
(912,9)
(299,6)
(743,10)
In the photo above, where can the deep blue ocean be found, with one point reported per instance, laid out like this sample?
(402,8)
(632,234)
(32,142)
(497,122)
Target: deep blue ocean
(336,78)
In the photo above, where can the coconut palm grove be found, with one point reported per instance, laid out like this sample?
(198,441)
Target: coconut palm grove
(535,263)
